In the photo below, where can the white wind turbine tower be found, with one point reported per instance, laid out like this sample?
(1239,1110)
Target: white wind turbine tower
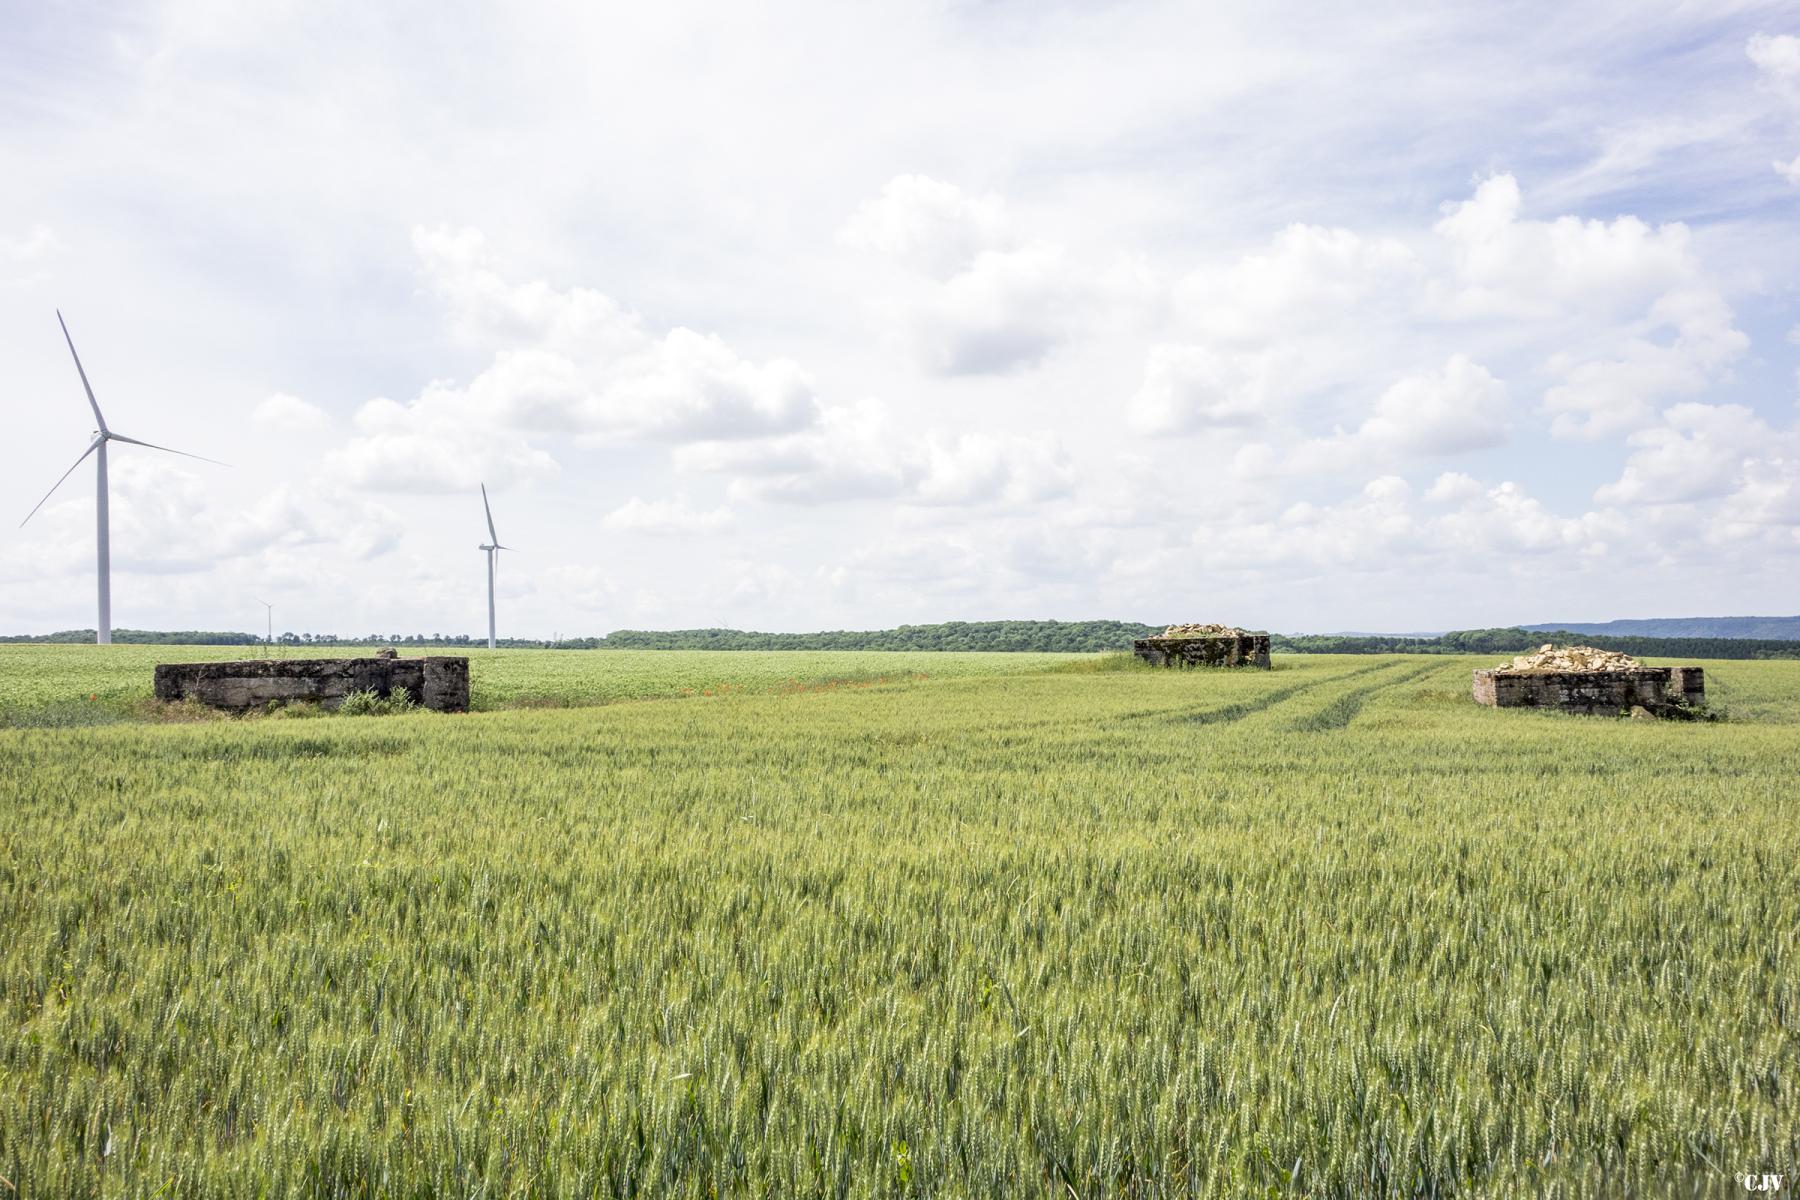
(492,549)
(97,447)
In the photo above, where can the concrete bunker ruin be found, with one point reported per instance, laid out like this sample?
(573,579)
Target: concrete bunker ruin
(439,683)
(1592,682)
(1204,646)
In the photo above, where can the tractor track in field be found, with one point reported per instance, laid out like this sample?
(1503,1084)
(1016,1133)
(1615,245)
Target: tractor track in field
(1340,712)
(1228,713)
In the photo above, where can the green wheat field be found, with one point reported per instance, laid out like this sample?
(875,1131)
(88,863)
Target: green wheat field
(790,924)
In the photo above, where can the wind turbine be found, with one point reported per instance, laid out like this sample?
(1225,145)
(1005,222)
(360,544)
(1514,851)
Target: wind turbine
(271,615)
(492,549)
(97,447)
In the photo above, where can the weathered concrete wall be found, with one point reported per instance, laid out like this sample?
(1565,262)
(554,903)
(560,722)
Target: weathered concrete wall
(1250,650)
(1687,685)
(437,683)
(1606,693)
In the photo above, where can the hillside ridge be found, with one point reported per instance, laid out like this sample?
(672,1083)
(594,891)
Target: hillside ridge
(1765,628)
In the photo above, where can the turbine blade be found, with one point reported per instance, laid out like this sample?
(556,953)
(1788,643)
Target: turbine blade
(59,483)
(92,403)
(119,437)
(492,536)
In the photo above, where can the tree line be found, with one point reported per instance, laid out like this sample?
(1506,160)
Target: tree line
(1514,640)
(1055,636)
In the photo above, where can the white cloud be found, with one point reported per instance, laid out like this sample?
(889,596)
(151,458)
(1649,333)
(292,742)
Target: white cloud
(978,468)
(1777,57)
(1452,411)
(1374,527)
(860,453)
(1468,527)
(38,242)
(1192,388)
(1505,521)
(978,297)
(1504,266)
(288,517)
(744,583)
(1768,497)
(565,361)
(164,521)
(1699,452)
(947,565)
(1602,397)
(488,311)
(1625,311)
(28,259)
(1308,274)
(1451,487)
(588,590)
(932,226)
(1610,319)
(1008,310)
(1712,484)
(573,360)
(1463,407)
(289,414)
(691,385)
(659,517)
(436,443)
(853,454)
(975,565)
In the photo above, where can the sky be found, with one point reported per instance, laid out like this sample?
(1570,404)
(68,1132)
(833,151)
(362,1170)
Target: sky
(821,316)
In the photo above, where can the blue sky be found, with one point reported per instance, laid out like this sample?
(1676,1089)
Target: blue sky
(810,315)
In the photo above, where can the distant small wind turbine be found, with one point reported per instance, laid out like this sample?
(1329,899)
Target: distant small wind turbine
(492,549)
(271,616)
(97,447)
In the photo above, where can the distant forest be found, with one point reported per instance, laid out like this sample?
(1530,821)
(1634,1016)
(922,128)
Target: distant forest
(141,637)
(1513,640)
(1066,636)
(1053,636)
(1762,628)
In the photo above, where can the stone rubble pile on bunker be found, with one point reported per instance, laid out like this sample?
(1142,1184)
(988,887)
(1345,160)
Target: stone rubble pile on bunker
(1203,631)
(1549,658)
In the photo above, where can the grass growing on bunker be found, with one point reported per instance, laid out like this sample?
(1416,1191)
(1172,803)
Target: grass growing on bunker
(1332,930)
